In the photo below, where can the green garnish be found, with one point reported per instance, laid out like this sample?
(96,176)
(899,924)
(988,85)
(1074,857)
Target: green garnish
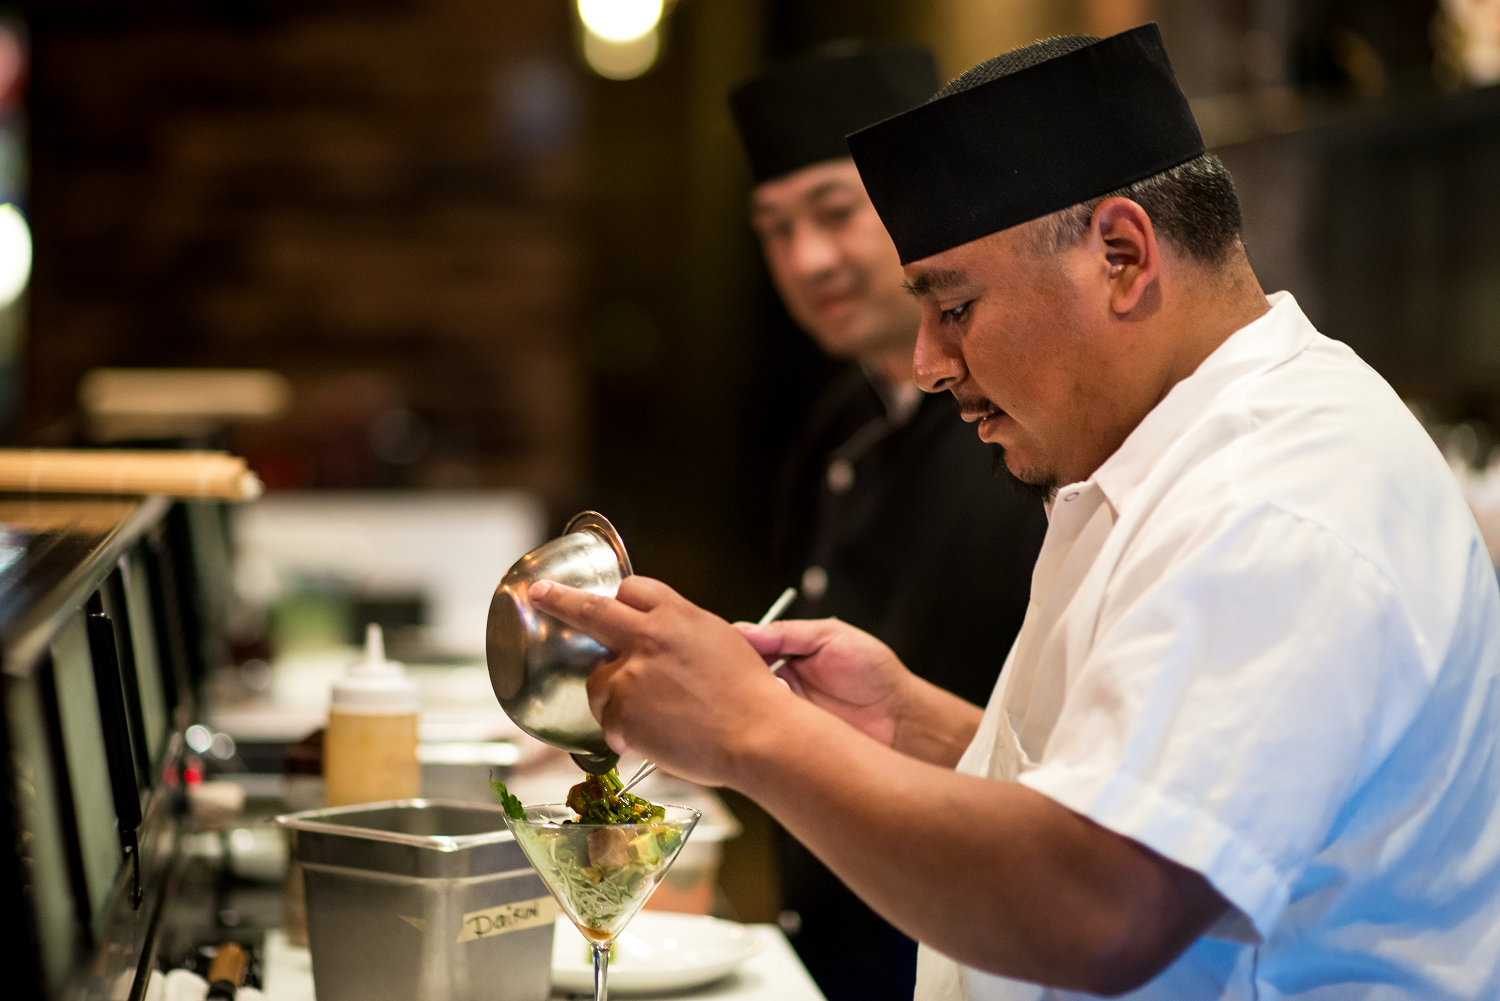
(598,800)
(513,808)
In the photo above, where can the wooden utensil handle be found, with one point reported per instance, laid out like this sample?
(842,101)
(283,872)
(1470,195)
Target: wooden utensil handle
(227,971)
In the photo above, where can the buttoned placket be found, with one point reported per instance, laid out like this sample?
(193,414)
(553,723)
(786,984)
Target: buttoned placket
(839,477)
(1080,521)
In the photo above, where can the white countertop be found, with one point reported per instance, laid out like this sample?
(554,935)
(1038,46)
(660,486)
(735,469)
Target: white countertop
(773,974)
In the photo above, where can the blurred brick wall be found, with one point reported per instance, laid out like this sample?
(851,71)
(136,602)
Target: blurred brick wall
(377,198)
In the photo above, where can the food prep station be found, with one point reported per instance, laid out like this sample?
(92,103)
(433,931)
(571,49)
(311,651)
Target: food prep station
(142,792)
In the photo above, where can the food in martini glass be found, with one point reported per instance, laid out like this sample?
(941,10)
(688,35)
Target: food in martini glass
(600,854)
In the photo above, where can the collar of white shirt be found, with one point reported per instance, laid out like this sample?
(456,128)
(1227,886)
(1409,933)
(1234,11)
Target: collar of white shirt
(1275,337)
(1082,515)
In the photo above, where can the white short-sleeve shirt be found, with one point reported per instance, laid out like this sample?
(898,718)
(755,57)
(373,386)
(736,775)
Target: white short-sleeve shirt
(1264,641)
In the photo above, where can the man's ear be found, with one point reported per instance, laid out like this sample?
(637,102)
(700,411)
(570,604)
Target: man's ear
(1129,253)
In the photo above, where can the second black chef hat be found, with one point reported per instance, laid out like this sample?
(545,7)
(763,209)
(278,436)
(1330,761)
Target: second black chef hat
(798,114)
(1041,128)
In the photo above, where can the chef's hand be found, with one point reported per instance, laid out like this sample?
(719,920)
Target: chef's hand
(683,685)
(839,668)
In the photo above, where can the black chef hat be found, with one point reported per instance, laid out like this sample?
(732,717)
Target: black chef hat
(1034,137)
(798,114)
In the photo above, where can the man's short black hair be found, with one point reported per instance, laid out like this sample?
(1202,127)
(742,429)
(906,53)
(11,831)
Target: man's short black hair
(1013,61)
(1192,205)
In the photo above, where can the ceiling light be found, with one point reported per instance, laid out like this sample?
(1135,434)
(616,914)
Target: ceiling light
(620,60)
(620,20)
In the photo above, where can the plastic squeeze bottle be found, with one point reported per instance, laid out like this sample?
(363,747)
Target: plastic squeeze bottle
(370,748)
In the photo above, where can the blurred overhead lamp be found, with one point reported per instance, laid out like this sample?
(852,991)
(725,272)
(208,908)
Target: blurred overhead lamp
(620,60)
(620,20)
(15,254)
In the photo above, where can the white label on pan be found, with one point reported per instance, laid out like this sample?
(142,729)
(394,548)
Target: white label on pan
(517,916)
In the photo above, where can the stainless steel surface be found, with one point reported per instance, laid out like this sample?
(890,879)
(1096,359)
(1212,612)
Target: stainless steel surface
(396,891)
(538,665)
(777,609)
(60,551)
(90,812)
(461,770)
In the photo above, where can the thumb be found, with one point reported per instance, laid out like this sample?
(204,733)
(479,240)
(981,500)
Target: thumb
(787,638)
(763,639)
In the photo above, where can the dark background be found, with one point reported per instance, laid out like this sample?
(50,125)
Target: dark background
(431,208)
(431,216)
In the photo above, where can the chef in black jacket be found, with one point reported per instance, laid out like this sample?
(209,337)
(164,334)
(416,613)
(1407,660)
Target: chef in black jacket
(893,516)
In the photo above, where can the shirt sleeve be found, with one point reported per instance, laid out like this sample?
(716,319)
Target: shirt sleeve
(1248,674)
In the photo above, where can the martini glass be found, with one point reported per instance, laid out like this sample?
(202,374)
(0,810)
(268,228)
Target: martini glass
(600,874)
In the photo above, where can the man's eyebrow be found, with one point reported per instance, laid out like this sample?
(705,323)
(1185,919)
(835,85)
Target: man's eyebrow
(935,281)
(832,187)
(828,188)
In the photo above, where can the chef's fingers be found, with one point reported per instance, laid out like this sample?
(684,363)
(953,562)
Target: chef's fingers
(790,637)
(788,676)
(613,735)
(599,692)
(750,631)
(607,715)
(645,593)
(772,657)
(615,740)
(608,711)
(610,622)
(765,643)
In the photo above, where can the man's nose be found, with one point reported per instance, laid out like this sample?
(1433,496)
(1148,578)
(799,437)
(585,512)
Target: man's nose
(937,364)
(813,251)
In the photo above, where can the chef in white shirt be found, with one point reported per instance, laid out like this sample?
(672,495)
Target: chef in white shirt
(1245,745)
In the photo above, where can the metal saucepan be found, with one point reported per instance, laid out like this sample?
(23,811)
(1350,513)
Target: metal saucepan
(538,665)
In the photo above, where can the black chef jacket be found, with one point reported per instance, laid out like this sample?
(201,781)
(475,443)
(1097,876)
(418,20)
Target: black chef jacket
(914,537)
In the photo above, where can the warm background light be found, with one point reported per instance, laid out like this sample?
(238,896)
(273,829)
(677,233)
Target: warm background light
(620,20)
(621,60)
(15,254)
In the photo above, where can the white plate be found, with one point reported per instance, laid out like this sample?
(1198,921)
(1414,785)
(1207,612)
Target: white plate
(657,951)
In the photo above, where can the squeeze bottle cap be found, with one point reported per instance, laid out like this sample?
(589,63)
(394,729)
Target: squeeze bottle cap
(374,684)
